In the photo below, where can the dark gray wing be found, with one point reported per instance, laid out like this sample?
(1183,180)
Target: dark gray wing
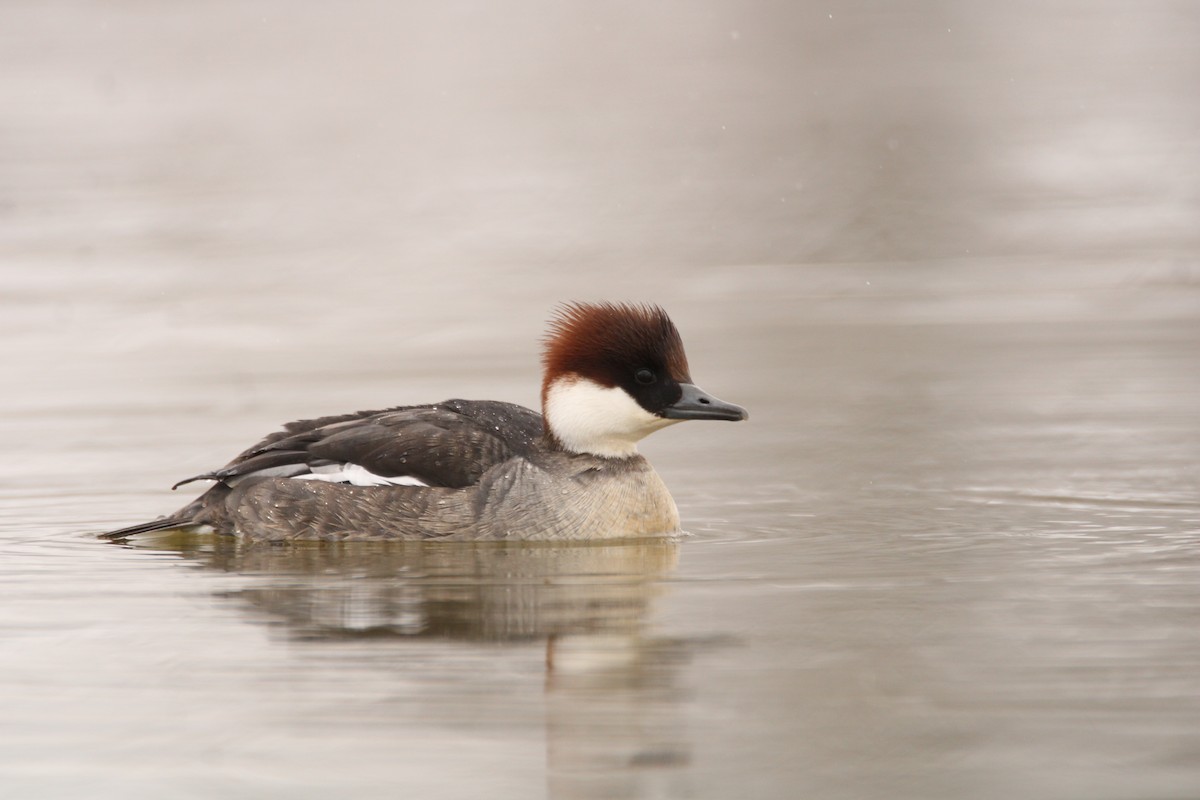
(447,444)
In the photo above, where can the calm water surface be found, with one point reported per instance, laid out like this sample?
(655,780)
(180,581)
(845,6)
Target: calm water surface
(947,259)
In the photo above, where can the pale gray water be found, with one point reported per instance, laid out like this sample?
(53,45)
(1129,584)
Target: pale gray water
(946,255)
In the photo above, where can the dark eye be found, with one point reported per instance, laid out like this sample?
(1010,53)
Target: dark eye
(644,376)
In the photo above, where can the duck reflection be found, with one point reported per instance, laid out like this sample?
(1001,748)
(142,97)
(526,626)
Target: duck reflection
(612,700)
(486,591)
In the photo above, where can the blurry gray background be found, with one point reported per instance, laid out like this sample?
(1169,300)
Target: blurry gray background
(253,174)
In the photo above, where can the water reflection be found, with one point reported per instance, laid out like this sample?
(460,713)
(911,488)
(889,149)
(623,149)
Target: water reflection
(492,591)
(614,724)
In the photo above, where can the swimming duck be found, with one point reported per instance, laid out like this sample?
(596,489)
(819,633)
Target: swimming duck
(479,469)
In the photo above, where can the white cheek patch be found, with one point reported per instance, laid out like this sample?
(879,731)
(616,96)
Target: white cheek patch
(357,475)
(604,421)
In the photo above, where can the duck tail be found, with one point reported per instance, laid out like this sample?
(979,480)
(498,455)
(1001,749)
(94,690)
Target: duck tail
(160,524)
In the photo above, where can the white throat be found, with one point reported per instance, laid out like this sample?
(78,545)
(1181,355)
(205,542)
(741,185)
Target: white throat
(586,417)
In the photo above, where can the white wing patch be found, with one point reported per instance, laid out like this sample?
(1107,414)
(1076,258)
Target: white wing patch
(357,475)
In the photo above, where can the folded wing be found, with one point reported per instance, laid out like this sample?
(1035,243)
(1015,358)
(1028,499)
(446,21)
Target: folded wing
(450,444)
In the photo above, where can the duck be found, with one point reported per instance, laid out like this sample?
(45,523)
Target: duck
(472,470)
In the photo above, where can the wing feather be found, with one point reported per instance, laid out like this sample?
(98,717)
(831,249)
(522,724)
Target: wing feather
(450,444)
